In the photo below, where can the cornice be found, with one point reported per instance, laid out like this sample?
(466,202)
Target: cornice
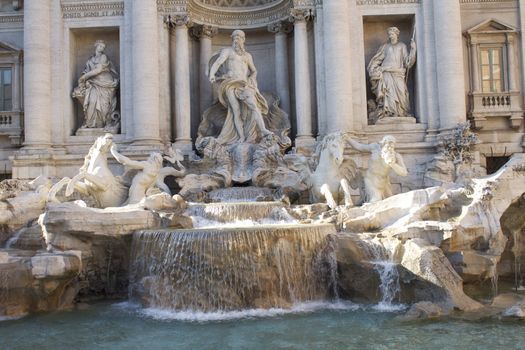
(170,7)
(228,18)
(93,8)
(484,1)
(386,2)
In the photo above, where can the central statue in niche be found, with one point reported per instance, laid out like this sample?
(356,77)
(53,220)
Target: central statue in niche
(244,126)
(239,93)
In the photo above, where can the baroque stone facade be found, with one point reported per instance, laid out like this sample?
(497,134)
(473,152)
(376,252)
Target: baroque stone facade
(311,54)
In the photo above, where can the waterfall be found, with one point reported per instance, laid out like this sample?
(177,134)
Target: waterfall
(233,269)
(517,264)
(238,214)
(241,194)
(389,283)
(386,268)
(230,212)
(14,239)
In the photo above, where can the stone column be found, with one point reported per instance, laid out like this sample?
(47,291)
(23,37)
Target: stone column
(165,82)
(450,64)
(17,105)
(522,51)
(474,52)
(182,84)
(338,66)
(282,82)
(427,57)
(303,103)
(37,77)
(513,86)
(204,34)
(145,72)
(319,69)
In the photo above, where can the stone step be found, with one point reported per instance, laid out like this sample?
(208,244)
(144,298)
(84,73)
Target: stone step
(30,238)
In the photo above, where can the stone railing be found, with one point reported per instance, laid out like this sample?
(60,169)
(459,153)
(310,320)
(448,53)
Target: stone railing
(11,125)
(485,105)
(494,100)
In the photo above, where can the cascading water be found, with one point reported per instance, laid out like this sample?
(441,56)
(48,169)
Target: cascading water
(224,269)
(238,214)
(240,194)
(389,287)
(386,268)
(518,281)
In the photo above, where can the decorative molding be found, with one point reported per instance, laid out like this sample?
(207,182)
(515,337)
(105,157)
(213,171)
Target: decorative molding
(301,15)
(237,3)
(306,3)
(166,7)
(484,1)
(93,8)
(178,20)
(386,2)
(206,31)
(283,27)
(239,18)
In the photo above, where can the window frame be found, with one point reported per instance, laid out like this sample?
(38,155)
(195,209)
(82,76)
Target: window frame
(4,68)
(503,69)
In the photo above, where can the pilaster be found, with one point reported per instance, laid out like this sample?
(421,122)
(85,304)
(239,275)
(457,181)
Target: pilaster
(450,63)
(145,73)
(338,66)
(37,74)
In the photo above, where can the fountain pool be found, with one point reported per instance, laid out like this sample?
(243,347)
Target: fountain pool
(309,326)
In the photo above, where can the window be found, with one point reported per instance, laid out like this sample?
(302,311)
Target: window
(6,90)
(491,69)
(494,80)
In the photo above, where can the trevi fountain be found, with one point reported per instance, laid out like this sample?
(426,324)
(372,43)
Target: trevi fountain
(262,174)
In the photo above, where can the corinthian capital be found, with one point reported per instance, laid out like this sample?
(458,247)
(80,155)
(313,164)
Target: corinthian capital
(207,31)
(301,15)
(283,27)
(178,20)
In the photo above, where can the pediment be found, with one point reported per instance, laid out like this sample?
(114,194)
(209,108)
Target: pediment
(6,48)
(491,26)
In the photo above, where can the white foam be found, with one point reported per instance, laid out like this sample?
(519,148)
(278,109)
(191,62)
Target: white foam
(389,307)
(200,222)
(12,318)
(199,316)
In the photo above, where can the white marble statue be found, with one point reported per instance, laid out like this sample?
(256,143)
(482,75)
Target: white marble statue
(332,176)
(97,89)
(388,71)
(94,178)
(238,92)
(150,173)
(383,158)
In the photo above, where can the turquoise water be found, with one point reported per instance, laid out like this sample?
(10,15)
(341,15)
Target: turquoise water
(311,326)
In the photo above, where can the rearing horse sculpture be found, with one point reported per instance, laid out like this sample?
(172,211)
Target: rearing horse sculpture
(95,178)
(332,175)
